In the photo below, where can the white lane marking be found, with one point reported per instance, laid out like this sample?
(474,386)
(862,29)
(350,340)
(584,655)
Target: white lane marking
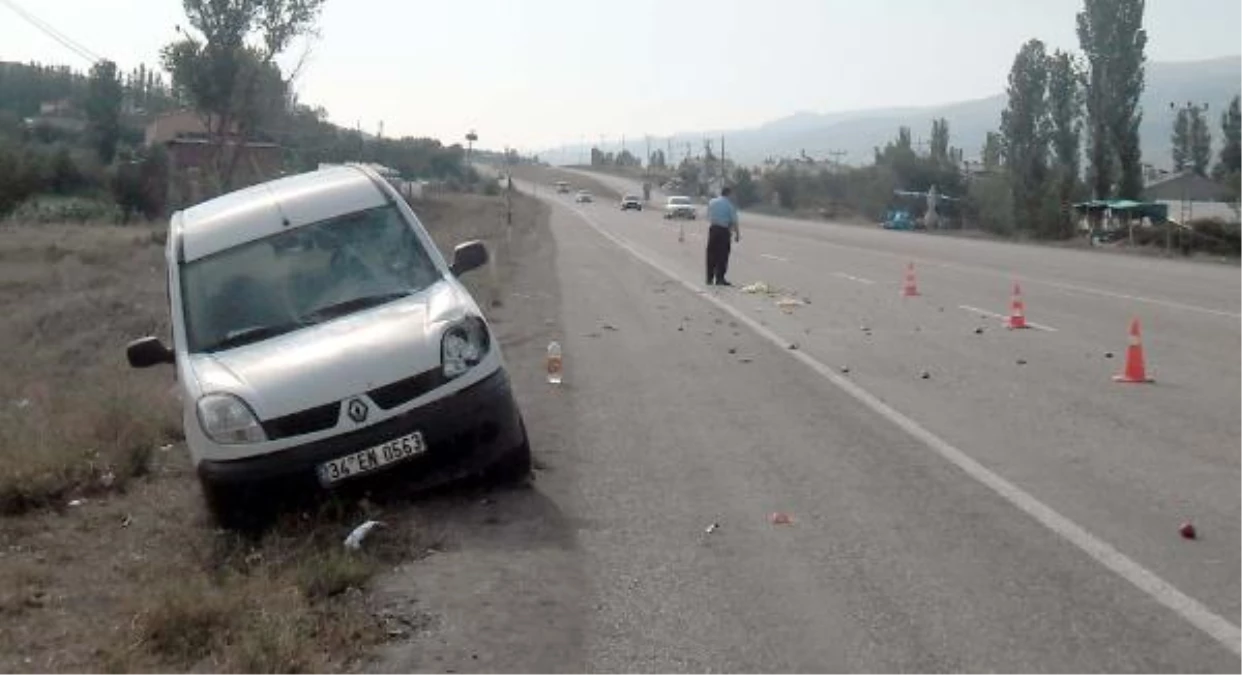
(1193,611)
(1002,317)
(851,277)
(1139,298)
(769,256)
(1071,288)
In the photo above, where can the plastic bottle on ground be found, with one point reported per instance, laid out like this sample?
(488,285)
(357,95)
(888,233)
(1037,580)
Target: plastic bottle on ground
(554,362)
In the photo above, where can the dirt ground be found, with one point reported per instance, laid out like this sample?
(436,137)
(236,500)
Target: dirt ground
(108,560)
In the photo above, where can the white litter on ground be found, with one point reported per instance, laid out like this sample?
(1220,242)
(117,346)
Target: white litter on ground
(354,541)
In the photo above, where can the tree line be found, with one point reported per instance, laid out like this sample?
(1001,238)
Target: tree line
(1069,132)
(222,65)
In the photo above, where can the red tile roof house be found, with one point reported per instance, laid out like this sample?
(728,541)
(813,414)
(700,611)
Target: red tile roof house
(191,154)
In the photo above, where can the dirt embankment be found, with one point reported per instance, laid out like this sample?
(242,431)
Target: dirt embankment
(108,561)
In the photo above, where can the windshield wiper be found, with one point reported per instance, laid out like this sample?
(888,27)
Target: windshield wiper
(251,334)
(340,308)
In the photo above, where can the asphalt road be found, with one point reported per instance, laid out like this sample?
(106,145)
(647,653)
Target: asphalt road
(1015,510)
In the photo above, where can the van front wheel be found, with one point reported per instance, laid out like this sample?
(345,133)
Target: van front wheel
(232,508)
(515,466)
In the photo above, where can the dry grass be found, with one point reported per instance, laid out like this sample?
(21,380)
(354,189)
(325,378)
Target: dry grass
(455,218)
(291,602)
(108,560)
(74,420)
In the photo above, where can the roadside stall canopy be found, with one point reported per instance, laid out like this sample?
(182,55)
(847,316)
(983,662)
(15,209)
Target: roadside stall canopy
(1153,211)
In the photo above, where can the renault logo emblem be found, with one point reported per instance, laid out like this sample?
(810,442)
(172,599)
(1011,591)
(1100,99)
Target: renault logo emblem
(357,411)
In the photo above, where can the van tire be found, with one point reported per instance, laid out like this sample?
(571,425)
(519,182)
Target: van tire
(514,467)
(228,506)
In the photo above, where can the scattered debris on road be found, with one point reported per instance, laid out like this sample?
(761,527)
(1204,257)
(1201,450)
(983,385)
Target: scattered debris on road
(610,327)
(74,503)
(354,541)
(780,518)
(1108,355)
(979,331)
(845,369)
(925,375)
(711,528)
(1021,362)
(745,359)
(788,305)
(592,334)
(732,350)
(757,288)
(793,346)
(1187,530)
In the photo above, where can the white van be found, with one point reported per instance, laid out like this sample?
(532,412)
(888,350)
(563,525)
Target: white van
(319,336)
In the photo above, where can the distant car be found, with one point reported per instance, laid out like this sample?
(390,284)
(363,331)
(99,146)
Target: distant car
(679,207)
(631,202)
(582,197)
(562,188)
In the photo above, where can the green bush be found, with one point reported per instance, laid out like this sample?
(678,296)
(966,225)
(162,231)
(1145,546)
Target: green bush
(989,204)
(51,209)
(140,185)
(1215,236)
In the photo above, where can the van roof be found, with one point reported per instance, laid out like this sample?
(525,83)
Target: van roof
(269,208)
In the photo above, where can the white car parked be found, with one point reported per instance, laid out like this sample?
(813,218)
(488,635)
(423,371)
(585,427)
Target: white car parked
(319,336)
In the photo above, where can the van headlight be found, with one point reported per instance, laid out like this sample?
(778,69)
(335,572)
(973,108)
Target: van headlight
(227,420)
(463,346)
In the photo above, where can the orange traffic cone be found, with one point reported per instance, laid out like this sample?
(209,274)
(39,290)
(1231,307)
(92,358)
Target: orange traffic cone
(1136,371)
(1017,313)
(911,287)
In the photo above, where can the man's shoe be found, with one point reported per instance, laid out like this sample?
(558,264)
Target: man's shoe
(722,282)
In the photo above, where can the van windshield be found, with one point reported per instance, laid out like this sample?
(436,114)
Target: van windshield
(301,277)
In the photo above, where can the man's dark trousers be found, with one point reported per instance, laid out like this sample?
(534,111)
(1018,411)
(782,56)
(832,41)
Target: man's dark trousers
(718,248)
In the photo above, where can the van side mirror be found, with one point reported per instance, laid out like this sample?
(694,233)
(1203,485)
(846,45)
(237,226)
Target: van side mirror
(148,351)
(468,256)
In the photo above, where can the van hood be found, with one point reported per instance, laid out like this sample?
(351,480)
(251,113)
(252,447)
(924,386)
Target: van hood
(337,359)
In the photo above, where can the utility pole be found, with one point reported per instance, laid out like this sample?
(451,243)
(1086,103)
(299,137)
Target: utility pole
(647,169)
(470,139)
(836,156)
(724,172)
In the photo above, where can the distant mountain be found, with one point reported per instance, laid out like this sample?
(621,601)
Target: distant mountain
(1214,81)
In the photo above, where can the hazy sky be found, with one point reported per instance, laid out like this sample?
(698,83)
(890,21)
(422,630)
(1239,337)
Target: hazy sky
(536,73)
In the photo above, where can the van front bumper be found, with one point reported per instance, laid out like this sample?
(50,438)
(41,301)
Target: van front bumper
(465,433)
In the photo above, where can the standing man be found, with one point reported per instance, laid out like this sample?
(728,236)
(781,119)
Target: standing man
(722,216)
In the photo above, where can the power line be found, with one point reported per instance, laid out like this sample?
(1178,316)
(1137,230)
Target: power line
(50,31)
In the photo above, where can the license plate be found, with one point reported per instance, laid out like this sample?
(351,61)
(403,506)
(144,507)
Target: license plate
(371,459)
